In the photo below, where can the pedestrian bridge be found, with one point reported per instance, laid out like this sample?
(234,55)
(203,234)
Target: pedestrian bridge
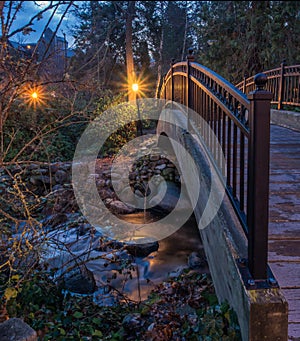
(252,242)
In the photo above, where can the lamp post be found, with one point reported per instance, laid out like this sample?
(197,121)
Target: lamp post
(139,126)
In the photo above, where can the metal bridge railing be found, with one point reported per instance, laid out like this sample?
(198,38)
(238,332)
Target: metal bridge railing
(283,82)
(242,127)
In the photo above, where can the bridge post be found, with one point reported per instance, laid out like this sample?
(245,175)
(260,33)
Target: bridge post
(164,87)
(244,82)
(258,178)
(281,85)
(188,96)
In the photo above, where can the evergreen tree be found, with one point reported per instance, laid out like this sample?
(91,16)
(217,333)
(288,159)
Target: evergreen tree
(230,37)
(238,37)
(100,37)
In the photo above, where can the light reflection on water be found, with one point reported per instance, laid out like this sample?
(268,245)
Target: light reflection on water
(171,257)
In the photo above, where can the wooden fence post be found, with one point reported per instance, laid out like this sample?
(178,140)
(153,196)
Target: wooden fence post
(258,178)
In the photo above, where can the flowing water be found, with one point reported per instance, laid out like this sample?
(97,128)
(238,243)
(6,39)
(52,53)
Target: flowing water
(170,259)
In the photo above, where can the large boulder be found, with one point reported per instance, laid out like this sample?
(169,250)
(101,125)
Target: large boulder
(16,329)
(142,250)
(118,207)
(61,177)
(40,180)
(170,199)
(196,261)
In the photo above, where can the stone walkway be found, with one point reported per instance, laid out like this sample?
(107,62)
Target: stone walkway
(284,225)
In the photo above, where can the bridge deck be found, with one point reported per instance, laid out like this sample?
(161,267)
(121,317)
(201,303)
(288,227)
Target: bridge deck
(284,227)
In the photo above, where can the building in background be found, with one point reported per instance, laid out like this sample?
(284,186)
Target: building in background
(51,50)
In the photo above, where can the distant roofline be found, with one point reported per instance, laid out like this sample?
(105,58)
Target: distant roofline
(15,44)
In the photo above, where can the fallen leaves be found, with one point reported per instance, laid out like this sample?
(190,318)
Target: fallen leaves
(185,308)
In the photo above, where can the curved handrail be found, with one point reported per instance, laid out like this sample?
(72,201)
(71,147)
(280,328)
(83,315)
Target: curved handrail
(283,82)
(233,105)
(234,91)
(242,126)
(225,97)
(232,99)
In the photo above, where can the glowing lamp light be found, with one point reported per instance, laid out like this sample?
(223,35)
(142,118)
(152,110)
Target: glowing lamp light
(34,95)
(135,87)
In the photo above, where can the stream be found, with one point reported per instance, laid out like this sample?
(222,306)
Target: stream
(175,253)
(103,262)
(85,261)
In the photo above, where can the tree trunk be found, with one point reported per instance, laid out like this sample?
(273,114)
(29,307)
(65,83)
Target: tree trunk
(129,52)
(185,33)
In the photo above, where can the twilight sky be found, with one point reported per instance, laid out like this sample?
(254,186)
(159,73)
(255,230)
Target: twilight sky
(32,7)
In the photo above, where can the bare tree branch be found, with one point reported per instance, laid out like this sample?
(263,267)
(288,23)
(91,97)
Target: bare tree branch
(52,5)
(18,8)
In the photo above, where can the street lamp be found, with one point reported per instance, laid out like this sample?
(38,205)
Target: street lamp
(139,126)
(135,87)
(34,95)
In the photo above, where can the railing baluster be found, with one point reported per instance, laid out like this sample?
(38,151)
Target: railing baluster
(282,82)
(224,140)
(190,59)
(245,83)
(234,162)
(219,136)
(207,118)
(298,89)
(215,129)
(183,92)
(229,152)
(242,171)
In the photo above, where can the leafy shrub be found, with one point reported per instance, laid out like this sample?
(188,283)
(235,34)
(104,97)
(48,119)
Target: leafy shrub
(185,307)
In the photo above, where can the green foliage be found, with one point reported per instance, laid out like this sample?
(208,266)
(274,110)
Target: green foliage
(238,37)
(289,108)
(59,316)
(42,134)
(100,36)
(51,134)
(120,116)
(219,320)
